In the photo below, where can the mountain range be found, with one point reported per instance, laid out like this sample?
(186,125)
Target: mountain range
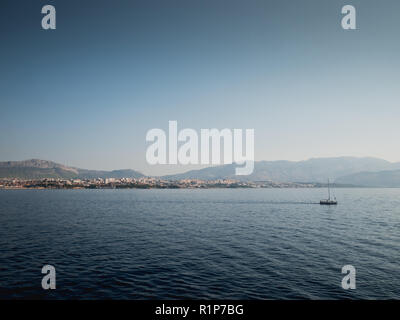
(387,178)
(36,169)
(343,170)
(367,171)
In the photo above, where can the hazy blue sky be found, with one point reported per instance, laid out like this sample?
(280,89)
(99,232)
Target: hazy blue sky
(86,93)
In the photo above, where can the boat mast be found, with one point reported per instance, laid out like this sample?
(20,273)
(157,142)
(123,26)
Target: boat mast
(329,191)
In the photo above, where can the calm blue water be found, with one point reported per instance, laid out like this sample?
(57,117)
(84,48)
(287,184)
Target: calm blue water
(212,244)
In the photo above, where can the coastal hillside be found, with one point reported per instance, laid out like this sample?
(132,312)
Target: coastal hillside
(312,170)
(368,172)
(389,178)
(37,169)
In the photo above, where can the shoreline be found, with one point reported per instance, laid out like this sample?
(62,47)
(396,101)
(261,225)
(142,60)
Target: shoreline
(187,188)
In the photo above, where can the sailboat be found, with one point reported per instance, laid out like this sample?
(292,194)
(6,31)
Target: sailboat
(329,201)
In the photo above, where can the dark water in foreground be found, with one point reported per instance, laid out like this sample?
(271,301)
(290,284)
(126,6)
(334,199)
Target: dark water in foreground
(212,244)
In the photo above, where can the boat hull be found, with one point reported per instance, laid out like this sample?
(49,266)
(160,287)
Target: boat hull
(328,202)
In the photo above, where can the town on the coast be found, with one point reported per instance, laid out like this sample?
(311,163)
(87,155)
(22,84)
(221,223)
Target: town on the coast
(142,183)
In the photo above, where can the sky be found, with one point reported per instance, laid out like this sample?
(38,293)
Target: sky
(86,94)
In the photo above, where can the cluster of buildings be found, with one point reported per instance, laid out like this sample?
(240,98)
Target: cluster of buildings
(141,183)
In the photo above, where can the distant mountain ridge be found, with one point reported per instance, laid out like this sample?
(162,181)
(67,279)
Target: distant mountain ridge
(387,178)
(312,170)
(37,169)
(369,172)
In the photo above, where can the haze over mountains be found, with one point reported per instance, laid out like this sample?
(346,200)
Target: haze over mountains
(372,172)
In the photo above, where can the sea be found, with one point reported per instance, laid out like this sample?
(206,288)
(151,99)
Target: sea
(200,243)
